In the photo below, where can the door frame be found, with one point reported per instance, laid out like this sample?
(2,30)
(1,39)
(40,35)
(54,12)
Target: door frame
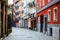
(45,23)
(38,24)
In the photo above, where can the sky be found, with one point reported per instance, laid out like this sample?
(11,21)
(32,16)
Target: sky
(10,2)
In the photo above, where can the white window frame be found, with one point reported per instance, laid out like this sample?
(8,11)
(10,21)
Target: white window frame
(55,19)
(49,1)
(40,4)
(43,2)
(49,15)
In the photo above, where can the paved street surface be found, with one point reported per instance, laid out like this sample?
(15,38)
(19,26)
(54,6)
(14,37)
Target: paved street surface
(24,34)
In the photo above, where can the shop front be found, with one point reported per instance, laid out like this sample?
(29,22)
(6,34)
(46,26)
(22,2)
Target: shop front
(33,23)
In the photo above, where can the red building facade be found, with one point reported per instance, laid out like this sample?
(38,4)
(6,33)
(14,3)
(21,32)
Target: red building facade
(48,17)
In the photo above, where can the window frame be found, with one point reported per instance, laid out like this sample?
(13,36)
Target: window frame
(54,19)
(49,1)
(49,15)
(43,2)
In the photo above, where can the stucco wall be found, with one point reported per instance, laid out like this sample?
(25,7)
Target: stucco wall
(51,8)
(55,30)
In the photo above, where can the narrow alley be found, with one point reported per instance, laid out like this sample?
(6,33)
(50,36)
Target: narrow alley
(26,34)
(29,19)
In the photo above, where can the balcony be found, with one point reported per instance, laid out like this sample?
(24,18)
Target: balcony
(31,4)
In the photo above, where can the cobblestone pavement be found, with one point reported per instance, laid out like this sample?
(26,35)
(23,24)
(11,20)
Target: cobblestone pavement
(24,34)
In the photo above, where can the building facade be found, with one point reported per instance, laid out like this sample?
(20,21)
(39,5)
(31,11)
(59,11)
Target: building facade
(48,20)
(30,13)
(18,12)
(4,31)
(21,8)
(26,14)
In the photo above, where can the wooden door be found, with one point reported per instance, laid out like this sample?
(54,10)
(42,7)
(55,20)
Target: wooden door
(1,20)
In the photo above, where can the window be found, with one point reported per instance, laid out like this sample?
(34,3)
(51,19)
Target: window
(33,14)
(42,3)
(49,15)
(22,11)
(55,14)
(17,13)
(49,1)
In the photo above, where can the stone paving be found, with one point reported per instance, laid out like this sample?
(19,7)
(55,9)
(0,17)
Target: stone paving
(25,34)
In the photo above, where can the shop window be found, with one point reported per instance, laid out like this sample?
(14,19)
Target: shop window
(49,11)
(55,14)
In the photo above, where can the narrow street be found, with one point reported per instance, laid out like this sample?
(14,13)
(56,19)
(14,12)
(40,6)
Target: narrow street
(25,34)
(30,19)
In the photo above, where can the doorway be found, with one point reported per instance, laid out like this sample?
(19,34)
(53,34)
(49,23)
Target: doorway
(35,24)
(1,24)
(41,22)
(50,31)
(5,23)
(26,23)
(45,19)
(38,28)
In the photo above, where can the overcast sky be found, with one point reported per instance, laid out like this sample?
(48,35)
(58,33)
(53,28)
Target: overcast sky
(10,2)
